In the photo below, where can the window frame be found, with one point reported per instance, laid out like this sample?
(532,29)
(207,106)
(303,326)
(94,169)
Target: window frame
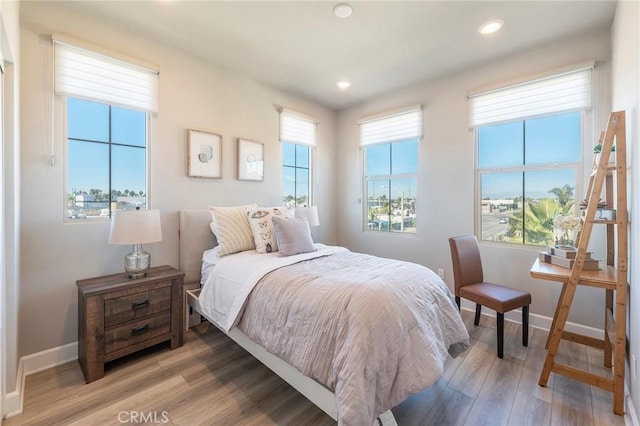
(578,168)
(62,106)
(389,177)
(310,170)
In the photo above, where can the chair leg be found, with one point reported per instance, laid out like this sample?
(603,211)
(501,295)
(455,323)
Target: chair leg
(458,302)
(500,325)
(525,325)
(476,321)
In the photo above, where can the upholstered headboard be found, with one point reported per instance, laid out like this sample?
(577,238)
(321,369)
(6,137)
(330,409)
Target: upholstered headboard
(195,238)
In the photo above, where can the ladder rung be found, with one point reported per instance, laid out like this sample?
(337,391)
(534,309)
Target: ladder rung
(583,376)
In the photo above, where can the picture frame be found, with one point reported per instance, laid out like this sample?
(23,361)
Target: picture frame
(204,154)
(250,160)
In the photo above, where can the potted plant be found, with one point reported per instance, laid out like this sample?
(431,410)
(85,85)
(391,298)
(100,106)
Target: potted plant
(597,150)
(565,230)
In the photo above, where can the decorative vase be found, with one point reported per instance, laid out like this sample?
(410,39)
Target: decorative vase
(565,231)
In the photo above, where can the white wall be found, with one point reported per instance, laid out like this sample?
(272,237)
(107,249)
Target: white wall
(11,197)
(625,94)
(193,95)
(446,173)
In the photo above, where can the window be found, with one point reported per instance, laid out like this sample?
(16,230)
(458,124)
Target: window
(296,174)
(106,159)
(528,169)
(298,137)
(107,101)
(390,149)
(528,173)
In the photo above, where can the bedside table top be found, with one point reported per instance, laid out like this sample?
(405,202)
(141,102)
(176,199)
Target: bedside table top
(121,280)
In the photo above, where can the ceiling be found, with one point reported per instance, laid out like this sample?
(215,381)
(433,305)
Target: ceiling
(302,48)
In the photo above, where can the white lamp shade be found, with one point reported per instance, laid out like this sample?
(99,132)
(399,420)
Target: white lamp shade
(135,227)
(310,213)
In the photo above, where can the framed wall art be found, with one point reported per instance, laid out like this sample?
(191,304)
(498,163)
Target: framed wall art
(250,160)
(205,154)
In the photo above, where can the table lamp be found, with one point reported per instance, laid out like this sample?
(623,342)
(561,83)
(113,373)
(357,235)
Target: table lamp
(136,227)
(310,213)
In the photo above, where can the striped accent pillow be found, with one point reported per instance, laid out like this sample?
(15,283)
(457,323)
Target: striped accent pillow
(231,228)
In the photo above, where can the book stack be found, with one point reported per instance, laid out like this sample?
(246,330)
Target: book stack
(566,258)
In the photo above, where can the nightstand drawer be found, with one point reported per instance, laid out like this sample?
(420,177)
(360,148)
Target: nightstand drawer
(137,331)
(118,316)
(126,308)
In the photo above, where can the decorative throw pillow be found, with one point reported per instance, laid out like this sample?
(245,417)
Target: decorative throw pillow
(293,235)
(264,235)
(231,228)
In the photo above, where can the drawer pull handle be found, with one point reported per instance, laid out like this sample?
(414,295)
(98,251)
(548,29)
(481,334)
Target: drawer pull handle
(140,305)
(135,331)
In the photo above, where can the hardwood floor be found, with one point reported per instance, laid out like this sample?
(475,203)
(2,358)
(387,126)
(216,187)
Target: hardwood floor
(212,381)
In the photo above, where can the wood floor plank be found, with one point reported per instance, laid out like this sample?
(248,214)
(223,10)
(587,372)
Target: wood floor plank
(213,381)
(493,404)
(513,341)
(452,408)
(571,399)
(417,406)
(136,406)
(471,374)
(533,366)
(601,400)
(571,403)
(529,411)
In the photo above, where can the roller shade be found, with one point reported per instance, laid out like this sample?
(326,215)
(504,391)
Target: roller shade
(566,92)
(298,129)
(403,125)
(94,76)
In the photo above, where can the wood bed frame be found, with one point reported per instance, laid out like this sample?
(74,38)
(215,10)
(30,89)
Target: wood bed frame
(195,238)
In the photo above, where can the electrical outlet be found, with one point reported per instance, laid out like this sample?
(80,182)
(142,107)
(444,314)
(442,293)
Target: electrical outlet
(634,368)
(441,273)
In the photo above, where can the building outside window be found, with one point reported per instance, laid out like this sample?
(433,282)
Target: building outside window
(106,159)
(528,173)
(298,134)
(390,149)
(529,140)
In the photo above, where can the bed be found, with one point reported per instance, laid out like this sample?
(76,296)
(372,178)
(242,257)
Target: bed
(354,367)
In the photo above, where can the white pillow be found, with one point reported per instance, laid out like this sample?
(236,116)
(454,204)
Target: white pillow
(231,228)
(293,235)
(264,236)
(210,259)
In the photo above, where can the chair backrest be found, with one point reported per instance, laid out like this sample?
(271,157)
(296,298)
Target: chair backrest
(467,264)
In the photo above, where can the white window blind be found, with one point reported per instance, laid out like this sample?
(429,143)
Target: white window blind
(404,125)
(566,92)
(295,128)
(93,76)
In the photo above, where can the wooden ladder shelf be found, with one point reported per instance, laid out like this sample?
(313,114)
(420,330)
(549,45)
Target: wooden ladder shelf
(612,277)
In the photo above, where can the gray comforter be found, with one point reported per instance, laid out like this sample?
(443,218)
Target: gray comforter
(372,330)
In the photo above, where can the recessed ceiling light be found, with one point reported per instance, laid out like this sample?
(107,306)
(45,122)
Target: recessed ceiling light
(343,84)
(490,27)
(342,10)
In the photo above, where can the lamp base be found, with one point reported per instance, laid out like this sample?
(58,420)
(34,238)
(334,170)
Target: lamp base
(137,263)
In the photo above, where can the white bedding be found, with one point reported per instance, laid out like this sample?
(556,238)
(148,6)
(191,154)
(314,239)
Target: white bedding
(224,292)
(372,330)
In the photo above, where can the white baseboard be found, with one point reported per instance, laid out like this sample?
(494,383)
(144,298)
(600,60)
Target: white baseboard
(49,358)
(32,364)
(630,416)
(540,321)
(12,403)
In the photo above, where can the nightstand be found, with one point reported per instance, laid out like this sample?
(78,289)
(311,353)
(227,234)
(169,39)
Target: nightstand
(118,316)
